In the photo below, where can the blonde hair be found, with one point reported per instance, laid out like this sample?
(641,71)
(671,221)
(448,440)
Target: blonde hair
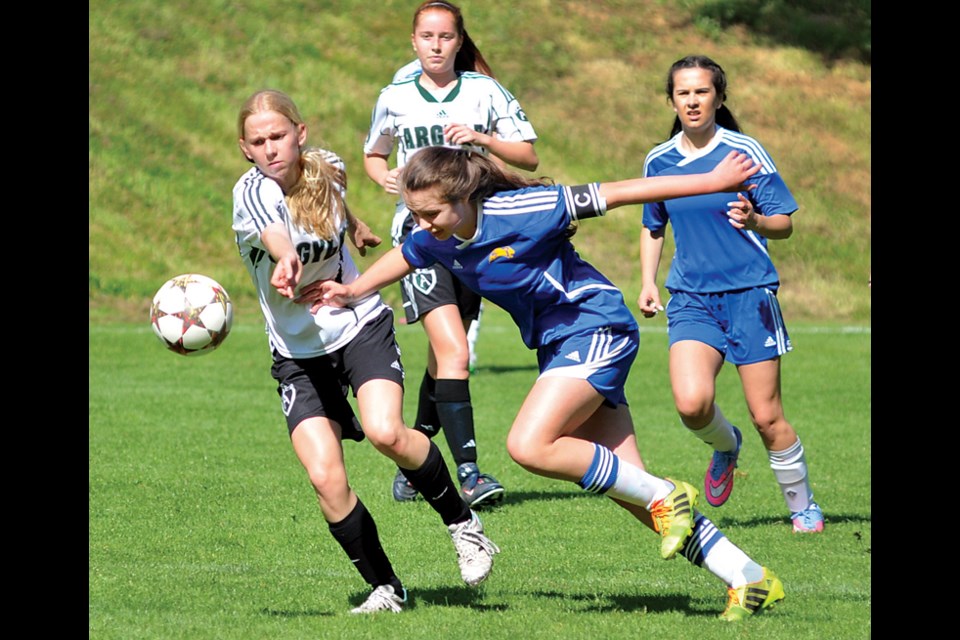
(268,100)
(316,199)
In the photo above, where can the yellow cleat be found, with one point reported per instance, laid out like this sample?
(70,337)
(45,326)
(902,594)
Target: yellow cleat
(673,517)
(751,598)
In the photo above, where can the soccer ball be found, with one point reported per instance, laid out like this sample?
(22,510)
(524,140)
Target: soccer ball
(191,314)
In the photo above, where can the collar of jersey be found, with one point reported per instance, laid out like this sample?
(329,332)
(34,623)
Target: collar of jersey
(429,96)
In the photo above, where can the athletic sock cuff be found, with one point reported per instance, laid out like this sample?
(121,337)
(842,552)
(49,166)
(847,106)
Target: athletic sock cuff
(451,390)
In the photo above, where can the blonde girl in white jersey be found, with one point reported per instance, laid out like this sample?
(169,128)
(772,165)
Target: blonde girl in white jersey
(290,221)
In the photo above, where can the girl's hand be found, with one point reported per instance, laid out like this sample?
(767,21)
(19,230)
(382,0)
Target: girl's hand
(733,171)
(462,134)
(325,293)
(286,275)
(361,236)
(742,215)
(649,301)
(390,182)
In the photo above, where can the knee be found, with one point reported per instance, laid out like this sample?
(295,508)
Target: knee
(385,435)
(524,452)
(770,424)
(452,357)
(327,480)
(694,407)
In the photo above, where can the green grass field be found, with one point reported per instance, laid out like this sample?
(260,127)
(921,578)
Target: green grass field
(203,525)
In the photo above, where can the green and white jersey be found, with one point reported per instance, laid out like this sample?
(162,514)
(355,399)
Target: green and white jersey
(414,118)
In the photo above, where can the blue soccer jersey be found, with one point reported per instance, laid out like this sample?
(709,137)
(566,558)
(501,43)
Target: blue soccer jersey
(711,254)
(521,259)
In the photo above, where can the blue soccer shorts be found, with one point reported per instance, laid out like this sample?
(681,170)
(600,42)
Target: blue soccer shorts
(744,326)
(602,358)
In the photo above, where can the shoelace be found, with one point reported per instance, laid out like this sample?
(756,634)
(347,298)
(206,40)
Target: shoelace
(662,516)
(808,518)
(733,600)
(481,541)
(717,471)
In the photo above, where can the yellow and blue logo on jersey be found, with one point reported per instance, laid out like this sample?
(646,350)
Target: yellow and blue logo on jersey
(501,252)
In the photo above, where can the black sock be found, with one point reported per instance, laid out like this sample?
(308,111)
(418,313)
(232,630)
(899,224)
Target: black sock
(433,482)
(357,534)
(428,420)
(456,416)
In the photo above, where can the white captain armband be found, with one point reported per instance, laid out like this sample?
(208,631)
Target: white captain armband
(585,201)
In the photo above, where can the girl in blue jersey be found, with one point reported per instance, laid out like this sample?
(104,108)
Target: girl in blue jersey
(455,101)
(290,220)
(723,287)
(508,239)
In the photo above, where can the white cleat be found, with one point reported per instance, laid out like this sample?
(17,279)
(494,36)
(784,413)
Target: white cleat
(474,550)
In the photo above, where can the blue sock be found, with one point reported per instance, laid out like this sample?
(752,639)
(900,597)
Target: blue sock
(602,472)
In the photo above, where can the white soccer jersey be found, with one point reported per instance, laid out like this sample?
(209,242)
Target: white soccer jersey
(410,115)
(292,330)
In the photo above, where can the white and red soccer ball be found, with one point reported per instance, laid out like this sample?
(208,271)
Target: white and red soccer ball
(191,314)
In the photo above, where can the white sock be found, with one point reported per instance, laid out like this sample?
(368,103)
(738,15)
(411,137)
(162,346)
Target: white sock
(728,562)
(610,475)
(718,433)
(709,548)
(790,469)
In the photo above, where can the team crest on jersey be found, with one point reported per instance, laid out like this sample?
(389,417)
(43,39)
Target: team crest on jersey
(521,115)
(424,280)
(501,252)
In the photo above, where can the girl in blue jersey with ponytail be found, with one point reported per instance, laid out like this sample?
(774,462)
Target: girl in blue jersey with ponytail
(723,287)
(508,239)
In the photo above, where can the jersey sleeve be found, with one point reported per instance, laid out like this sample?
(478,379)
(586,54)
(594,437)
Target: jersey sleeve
(772,197)
(257,203)
(510,121)
(414,248)
(654,216)
(382,127)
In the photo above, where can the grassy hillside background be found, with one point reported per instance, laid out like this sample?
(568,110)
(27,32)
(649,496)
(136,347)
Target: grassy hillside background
(167,77)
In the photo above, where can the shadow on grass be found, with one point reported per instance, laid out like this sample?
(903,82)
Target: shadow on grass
(306,613)
(453,596)
(829,519)
(662,603)
(493,368)
(512,498)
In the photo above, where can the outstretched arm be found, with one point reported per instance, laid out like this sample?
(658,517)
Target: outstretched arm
(729,175)
(390,268)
